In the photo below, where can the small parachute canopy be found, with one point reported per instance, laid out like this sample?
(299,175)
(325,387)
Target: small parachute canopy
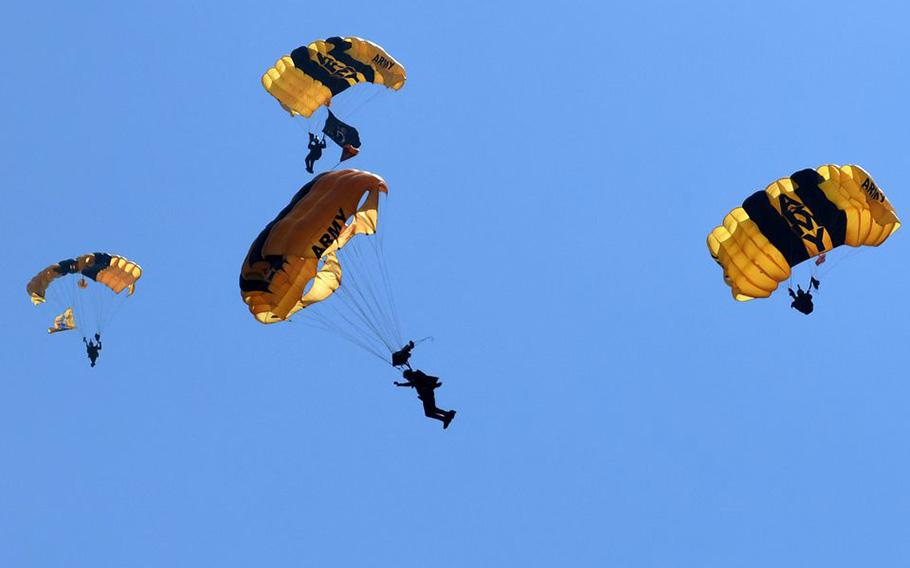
(115,272)
(310,76)
(64,322)
(292,263)
(797,218)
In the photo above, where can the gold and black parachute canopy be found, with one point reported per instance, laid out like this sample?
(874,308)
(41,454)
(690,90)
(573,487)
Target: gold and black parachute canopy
(293,263)
(311,75)
(113,271)
(797,218)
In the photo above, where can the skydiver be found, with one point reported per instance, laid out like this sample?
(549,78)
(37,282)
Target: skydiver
(92,348)
(802,300)
(400,357)
(425,385)
(315,146)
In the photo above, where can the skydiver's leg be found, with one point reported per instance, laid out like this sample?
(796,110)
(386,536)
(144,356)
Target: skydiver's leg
(430,411)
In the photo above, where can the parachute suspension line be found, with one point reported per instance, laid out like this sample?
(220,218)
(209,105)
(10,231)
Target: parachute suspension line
(368,320)
(117,305)
(366,287)
(364,102)
(379,248)
(362,334)
(320,321)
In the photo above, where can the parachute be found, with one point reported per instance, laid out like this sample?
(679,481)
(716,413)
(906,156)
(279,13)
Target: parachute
(310,76)
(795,219)
(296,262)
(67,285)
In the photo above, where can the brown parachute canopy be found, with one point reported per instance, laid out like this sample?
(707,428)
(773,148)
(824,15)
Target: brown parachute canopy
(115,272)
(292,263)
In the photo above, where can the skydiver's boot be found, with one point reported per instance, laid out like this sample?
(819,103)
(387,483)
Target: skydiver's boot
(448,418)
(813,282)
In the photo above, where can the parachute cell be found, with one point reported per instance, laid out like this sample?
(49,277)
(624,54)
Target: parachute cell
(797,218)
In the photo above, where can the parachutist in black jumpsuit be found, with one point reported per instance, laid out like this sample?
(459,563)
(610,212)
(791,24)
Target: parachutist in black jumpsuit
(802,300)
(315,146)
(425,385)
(400,357)
(93,348)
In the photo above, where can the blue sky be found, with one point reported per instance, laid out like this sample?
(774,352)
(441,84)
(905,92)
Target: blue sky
(553,171)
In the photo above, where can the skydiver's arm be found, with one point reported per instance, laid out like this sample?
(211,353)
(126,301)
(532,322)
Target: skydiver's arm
(792,295)
(407,384)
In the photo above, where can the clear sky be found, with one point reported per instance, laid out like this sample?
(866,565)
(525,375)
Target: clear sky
(554,169)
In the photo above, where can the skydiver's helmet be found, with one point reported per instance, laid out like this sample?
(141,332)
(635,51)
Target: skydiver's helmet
(82,283)
(408,374)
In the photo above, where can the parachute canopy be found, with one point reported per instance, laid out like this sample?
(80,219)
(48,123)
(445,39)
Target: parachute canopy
(292,263)
(797,218)
(312,75)
(115,272)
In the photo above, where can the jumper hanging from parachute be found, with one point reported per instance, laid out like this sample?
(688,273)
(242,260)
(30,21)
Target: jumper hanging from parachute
(795,219)
(329,229)
(86,291)
(309,78)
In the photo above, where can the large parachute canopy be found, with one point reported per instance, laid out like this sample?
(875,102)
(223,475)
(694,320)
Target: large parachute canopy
(88,287)
(310,76)
(293,263)
(296,263)
(795,219)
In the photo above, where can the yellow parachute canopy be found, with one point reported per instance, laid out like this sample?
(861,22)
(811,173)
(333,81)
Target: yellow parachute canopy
(292,263)
(310,76)
(115,272)
(797,218)
(63,322)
